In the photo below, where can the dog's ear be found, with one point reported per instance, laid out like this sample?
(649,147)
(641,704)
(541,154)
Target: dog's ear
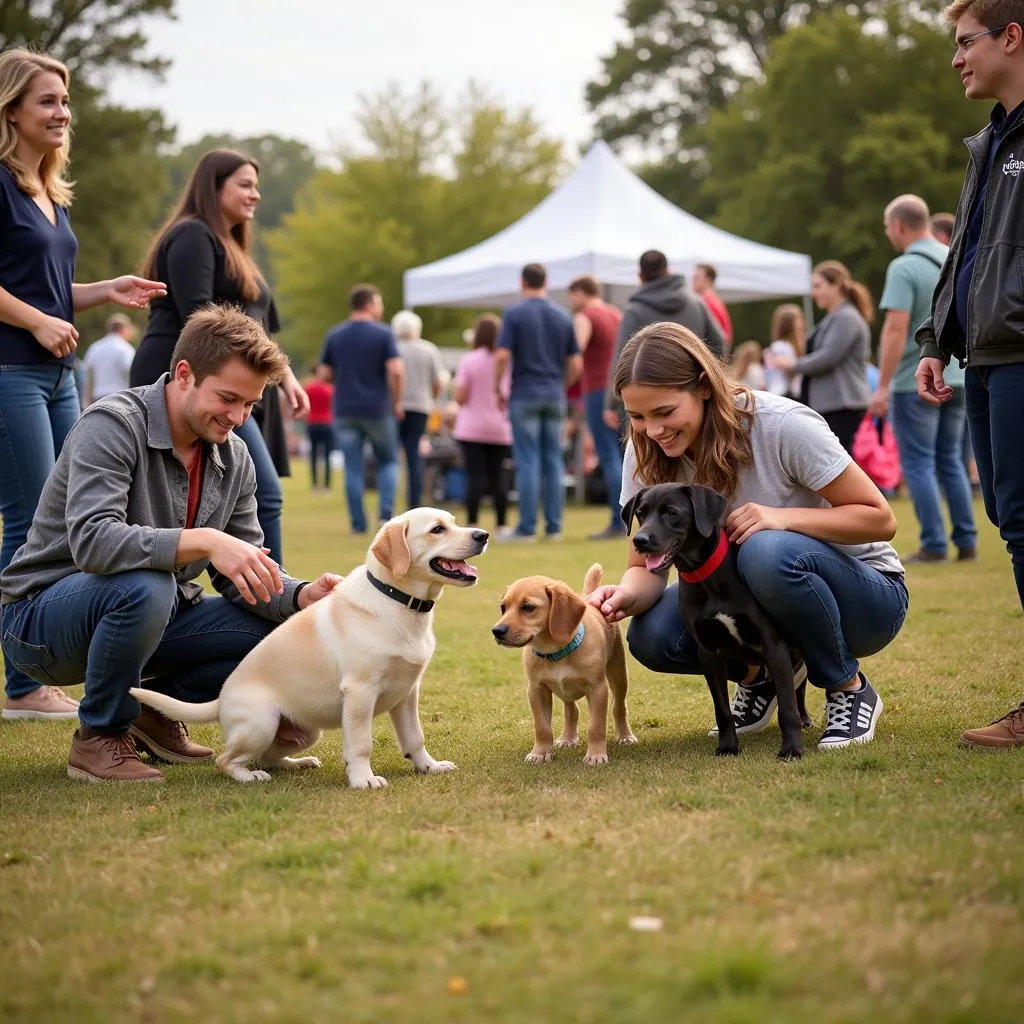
(565,612)
(391,548)
(629,510)
(708,509)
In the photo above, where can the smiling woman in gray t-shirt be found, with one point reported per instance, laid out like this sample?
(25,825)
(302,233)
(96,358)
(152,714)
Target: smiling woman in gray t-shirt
(812,529)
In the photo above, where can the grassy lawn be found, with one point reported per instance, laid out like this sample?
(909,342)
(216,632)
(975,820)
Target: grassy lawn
(883,884)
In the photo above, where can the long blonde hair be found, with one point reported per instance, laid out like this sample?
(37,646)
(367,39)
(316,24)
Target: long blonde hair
(666,355)
(789,324)
(201,201)
(17,70)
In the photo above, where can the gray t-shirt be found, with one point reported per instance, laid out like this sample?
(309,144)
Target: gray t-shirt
(795,454)
(423,367)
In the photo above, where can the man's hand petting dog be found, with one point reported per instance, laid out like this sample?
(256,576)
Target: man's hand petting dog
(750,518)
(318,589)
(251,569)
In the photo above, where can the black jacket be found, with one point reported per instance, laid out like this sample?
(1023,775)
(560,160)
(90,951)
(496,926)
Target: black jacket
(665,299)
(995,310)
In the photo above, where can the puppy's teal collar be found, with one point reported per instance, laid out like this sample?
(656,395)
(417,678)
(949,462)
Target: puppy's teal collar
(571,646)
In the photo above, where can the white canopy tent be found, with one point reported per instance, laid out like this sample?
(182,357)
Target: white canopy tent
(598,222)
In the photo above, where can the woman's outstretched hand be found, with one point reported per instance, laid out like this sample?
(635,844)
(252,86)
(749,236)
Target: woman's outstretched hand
(134,292)
(613,601)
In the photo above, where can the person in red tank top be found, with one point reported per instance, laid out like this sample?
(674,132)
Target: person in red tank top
(320,427)
(704,277)
(597,330)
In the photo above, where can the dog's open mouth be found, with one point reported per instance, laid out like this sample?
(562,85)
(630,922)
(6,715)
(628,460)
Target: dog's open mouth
(451,569)
(658,563)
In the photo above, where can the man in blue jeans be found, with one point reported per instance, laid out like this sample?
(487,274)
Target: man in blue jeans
(978,309)
(929,437)
(538,338)
(361,358)
(151,489)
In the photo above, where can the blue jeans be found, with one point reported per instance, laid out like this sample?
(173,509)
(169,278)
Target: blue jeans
(537,451)
(38,406)
(995,413)
(410,430)
(110,631)
(609,455)
(930,440)
(321,444)
(382,433)
(269,495)
(833,608)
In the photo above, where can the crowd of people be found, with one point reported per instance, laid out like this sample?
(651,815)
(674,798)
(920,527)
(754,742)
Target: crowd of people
(110,514)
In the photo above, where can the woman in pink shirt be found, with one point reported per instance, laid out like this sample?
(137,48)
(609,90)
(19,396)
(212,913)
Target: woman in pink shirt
(481,427)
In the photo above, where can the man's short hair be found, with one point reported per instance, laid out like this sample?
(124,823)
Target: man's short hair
(117,322)
(910,210)
(991,13)
(585,284)
(406,324)
(709,271)
(943,222)
(361,296)
(534,275)
(215,334)
(653,264)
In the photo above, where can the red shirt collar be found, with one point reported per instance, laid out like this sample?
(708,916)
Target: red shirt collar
(711,566)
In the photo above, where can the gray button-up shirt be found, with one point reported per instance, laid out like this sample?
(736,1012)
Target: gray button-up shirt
(117,498)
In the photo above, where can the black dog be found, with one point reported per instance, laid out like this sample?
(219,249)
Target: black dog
(681,525)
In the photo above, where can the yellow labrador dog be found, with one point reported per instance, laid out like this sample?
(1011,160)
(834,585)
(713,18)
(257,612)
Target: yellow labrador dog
(357,653)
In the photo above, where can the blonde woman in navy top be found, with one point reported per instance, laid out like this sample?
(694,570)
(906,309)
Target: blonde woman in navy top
(38,302)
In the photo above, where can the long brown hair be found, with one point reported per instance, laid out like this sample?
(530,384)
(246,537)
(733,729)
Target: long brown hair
(201,201)
(789,324)
(486,331)
(836,273)
(17,70)
(666,355)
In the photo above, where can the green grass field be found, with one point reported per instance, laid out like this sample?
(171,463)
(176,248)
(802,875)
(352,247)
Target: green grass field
(883,883)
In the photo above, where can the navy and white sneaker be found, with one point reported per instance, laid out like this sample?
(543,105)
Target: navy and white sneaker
(753,706)
(850,716)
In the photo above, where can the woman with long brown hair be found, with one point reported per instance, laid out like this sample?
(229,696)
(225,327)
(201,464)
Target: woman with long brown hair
(39,402)
(838,349)
(811,528)
(204,253)
(788,341)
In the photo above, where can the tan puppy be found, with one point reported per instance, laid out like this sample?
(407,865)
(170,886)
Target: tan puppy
(544,617)
(355,654)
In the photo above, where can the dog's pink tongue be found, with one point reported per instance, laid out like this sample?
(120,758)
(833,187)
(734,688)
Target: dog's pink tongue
(655,562)
(464,567)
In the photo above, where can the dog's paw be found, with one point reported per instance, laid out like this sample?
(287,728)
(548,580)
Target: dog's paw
(788,753)
(806,721)
(539,757)
(593,759)
(568,741)
(256,776)
(733,751)
(439,768)
(370,782)
(630,738)
(305,762)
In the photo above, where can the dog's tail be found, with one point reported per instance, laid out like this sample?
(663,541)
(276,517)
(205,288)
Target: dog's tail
(179,710)
(593,579)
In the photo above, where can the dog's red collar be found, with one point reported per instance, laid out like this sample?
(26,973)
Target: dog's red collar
(712,565)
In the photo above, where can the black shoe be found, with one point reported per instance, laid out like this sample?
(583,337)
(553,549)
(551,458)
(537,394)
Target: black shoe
(850,716)
(754,705)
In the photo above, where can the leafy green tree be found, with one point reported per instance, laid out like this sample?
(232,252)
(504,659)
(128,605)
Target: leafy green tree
(424,182)
(115,151)
(845,120)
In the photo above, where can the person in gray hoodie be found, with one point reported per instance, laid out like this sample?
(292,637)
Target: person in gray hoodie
(661,296)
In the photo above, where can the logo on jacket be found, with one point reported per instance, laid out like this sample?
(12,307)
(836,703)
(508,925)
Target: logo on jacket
(1013,167)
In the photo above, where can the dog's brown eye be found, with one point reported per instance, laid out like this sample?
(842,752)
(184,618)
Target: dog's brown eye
(529,607)
(440,528)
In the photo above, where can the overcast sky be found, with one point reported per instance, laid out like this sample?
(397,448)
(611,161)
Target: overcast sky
(296,67)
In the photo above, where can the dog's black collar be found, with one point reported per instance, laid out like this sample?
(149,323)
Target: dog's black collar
(417,604)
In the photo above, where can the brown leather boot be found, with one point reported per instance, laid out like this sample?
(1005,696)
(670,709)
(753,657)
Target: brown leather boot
(161,737)
(98,758)
(1007,731)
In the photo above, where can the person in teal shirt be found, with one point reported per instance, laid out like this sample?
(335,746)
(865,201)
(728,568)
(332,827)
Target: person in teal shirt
(929,437)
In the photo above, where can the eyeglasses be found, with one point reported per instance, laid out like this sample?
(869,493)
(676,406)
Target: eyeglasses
(966,42)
